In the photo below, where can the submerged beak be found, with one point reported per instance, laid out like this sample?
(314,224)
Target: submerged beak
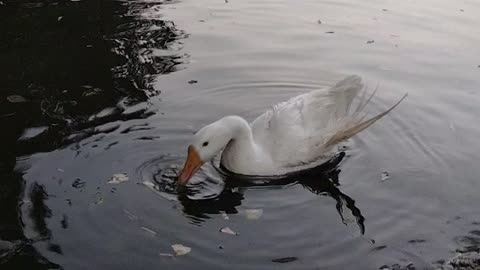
(192,164)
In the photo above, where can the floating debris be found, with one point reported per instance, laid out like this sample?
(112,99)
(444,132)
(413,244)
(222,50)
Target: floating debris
(330,32)
(384,9)
(227,230)
(98,198)
(8,114)
(91,91)
(166,254)
(31,133)
(417,241)
(253,214)
(225,216)
(152,232)
(104,113)
(285,260)
(60,170)
(59,18)
(180,249)
(385,176)
(462,10)
(319,22)
(379,248)
(130,215)
(118,178)
(192,81)
(64,221)
(16,99)
(78,183)
(370,41)
(220,247)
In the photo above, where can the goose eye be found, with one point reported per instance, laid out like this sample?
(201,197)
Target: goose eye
(205,144)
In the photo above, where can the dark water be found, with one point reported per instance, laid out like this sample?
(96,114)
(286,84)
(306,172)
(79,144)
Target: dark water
(118,87)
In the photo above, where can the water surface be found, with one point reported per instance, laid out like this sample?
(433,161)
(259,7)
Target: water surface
(118,87)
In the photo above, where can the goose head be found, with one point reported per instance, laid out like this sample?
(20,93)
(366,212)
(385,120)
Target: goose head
(205,145)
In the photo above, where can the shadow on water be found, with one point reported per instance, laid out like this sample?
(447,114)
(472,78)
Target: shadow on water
(322,180)
(68,67)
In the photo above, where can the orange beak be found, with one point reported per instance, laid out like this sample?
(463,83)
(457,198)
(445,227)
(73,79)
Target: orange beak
(192,164)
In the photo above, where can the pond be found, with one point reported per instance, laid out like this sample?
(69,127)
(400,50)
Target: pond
(99,100)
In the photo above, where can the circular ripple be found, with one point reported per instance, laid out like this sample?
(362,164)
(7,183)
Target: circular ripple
(160,175)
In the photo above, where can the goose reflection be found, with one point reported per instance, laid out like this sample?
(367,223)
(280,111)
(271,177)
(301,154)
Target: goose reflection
(323,181)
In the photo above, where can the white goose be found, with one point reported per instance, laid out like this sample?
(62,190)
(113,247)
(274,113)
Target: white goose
(294,135)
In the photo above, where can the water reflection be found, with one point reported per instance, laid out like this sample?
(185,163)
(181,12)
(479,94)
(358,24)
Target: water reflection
(68,68)
(39,211)
(148,45)
(85,70)
(323,181)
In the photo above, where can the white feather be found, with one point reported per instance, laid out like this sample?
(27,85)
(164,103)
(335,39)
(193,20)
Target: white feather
(295,134)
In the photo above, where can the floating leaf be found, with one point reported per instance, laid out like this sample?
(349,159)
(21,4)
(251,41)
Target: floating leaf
(227,230)
(78,183)
(225,216)
(33,132)
(285,260)
(385,176)
(152,232)
(118,178)
(192,81)
(417,241)
(253,214)
(370,41)
(16,99)
(130,215)
(379,248)
(180,249)
(165,254)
